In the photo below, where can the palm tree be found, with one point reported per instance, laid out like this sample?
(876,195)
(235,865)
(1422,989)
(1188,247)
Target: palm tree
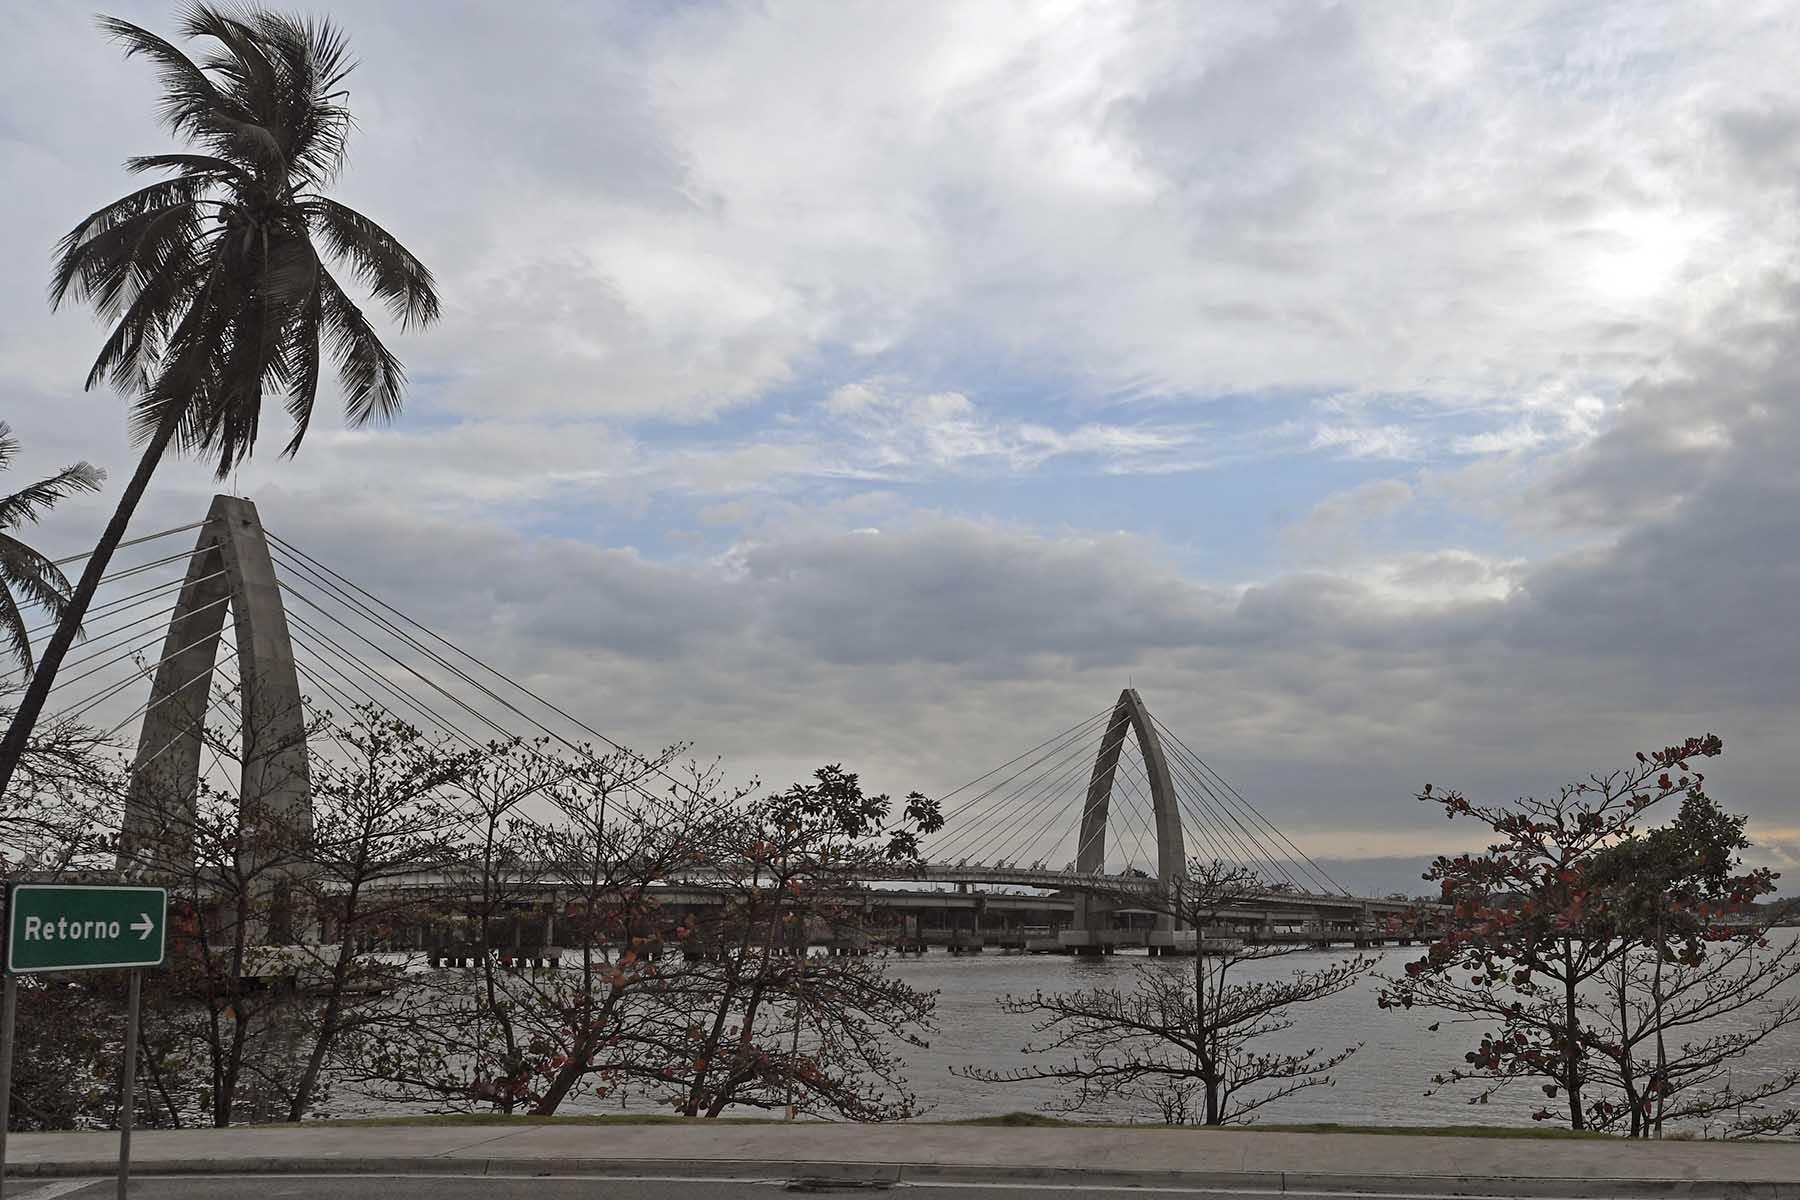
(24,573)
(212,278)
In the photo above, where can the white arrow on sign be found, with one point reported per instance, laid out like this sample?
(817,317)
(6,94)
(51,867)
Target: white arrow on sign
(143,926)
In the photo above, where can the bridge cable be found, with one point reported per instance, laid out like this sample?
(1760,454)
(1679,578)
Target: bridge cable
(998,811)
(1076,775)
(1004,810)
(1120,808)
(460,813)
(1051,825)
(1076,729)
(1131,817)
(406,699)
(98,611)
(1202,832)
(1320,872)
(459,809)
(140,763)
(418,705)
(81,707)
(1250,847)
(155,636)
(558,710)
(1078,794)
(1298,857)
(95,649)
(1057,776)
(1249,850)
(136,541)
(1005,814)
(1252,850)
(1001,812)
(387,626)
(1227,816)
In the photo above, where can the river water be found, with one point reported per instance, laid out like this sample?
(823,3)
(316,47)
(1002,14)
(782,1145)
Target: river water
(1384,1082)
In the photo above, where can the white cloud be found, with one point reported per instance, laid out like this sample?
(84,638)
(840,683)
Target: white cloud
(1337,524)
(773,268)
(893,432)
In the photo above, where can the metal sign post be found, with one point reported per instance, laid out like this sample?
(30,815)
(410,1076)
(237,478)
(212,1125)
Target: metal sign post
(54,927)
(127,1088)
(9,1007)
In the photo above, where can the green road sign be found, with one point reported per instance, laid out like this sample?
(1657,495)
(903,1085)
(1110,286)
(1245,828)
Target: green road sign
(70,927)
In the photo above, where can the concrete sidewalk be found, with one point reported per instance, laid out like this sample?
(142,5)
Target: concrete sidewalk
(1233,1159)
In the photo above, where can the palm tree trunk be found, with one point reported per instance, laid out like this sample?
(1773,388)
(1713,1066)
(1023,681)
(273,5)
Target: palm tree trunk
(38,691)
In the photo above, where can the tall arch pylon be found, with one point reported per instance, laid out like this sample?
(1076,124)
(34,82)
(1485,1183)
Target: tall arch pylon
(230,568)
(1129,716)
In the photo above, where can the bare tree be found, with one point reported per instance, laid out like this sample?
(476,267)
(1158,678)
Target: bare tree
(466,1048)
(226,1008)
(384,826)
(1186,1042)
(756,1020)
(615,837)
(62,798)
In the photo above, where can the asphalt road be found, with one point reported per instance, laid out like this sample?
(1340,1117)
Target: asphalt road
(498,1187)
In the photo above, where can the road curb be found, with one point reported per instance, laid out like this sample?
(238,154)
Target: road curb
(1275,1182)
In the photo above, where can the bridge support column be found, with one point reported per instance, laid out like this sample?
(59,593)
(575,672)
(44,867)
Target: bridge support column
(1092,912)
(230,566)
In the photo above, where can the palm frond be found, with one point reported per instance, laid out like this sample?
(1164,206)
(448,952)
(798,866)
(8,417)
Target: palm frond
(183,387)
(9,445)
(15,631)
(372,377)
(135,345)
(387,268)
(251,64)
(89,255)
(188,96)
(192,165)
(121,262)
(212,278)
(312,61)
(32,575)
(303,350)
(30,502)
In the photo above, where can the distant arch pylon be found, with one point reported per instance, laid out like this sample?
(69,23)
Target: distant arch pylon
(231,568)
(1129,716)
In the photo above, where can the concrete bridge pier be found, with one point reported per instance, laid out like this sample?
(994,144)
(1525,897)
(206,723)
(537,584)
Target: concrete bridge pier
(965,930)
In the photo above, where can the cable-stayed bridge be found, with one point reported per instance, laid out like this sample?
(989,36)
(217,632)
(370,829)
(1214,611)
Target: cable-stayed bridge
(1067,846)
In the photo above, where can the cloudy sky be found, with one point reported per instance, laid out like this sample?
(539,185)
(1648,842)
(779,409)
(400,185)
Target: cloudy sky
(1391,393)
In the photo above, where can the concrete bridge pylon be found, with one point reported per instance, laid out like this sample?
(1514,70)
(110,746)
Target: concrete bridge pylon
(1129,717)
(230,568)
